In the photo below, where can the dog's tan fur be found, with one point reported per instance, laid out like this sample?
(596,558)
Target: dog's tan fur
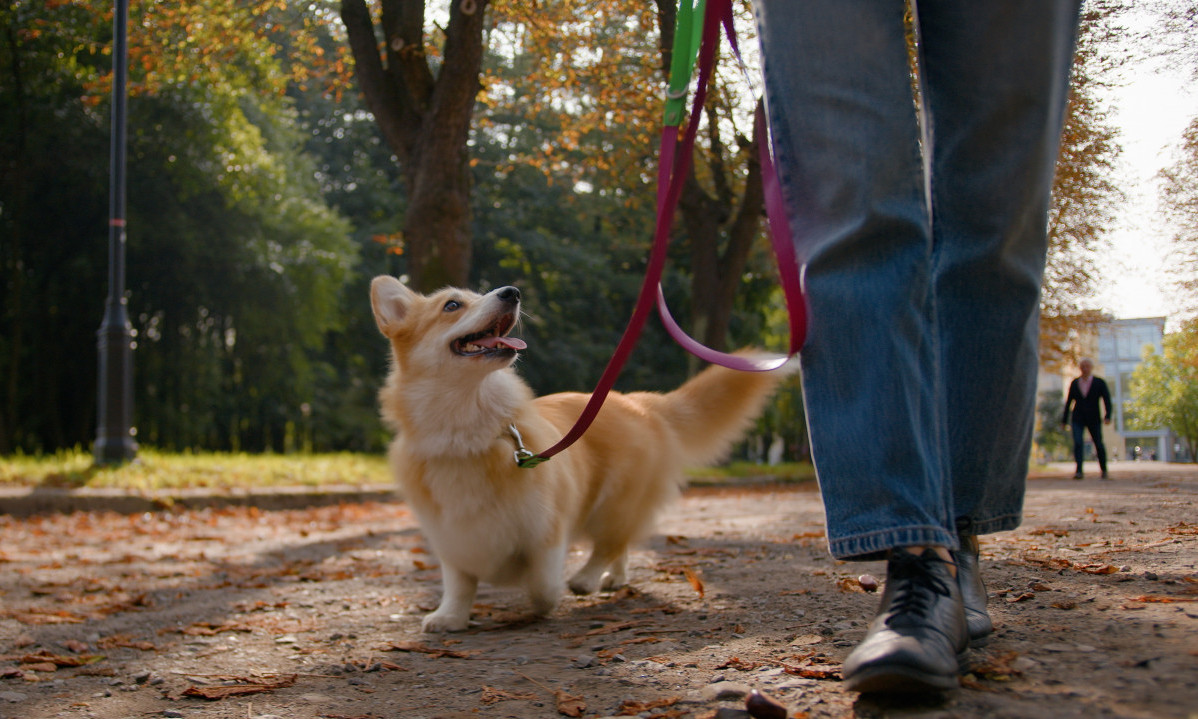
(488,519)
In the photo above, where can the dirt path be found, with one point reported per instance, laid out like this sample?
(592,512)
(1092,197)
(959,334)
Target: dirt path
(315,613)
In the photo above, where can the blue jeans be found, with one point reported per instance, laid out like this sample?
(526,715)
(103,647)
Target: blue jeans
(922,231)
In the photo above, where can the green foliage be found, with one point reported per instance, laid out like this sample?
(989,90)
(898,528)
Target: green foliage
(1179,204)
(1084,194)
(1165,387)
(1052,441)
(235,260)
(53,160)
(155,470)
(787,472)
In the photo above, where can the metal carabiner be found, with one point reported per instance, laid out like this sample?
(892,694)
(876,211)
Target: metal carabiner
(525,459)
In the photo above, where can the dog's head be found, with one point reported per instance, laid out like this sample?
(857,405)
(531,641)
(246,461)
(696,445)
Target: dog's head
(451,328)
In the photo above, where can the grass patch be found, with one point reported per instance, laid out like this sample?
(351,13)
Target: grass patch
(784,472)
(153,470)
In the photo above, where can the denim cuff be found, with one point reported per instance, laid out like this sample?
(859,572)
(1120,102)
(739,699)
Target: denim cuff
(1001,523)
(874,545)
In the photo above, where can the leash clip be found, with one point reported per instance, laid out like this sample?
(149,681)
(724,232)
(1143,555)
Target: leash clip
(525,459)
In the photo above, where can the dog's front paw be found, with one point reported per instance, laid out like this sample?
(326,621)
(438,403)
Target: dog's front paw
(544,604)
(438,622)
(583,584)
(612,581)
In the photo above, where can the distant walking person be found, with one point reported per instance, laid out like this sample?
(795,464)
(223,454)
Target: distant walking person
(1084,393)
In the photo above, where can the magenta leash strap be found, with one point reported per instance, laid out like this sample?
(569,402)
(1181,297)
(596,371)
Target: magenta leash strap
(674,163)
(779,225)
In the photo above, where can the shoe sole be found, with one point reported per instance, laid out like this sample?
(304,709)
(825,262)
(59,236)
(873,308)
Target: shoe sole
(900,680)
(906,680)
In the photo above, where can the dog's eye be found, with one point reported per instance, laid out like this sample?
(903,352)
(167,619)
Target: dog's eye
(452,306)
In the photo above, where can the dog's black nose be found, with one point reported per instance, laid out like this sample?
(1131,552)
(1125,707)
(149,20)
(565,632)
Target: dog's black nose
(508,294)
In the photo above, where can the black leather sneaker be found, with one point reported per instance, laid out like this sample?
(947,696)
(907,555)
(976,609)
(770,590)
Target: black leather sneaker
(918,640)
(973,590)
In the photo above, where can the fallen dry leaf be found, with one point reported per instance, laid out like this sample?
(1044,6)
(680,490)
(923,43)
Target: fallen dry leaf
(418,648)
(631,707)
(806,640)
(40,667)
(814,673)
(568,704)
(696,582)
(121,640)
(851,585)
(618,627)
(739,664)
(58,660)
(42,616)
(491,695)
(813,665)
(970,682)
(248,686)
(997,668)
(1162,599)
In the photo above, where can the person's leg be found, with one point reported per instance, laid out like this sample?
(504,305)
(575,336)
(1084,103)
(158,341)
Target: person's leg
(847,140)
(995,80)
(878,283)
(1095,429)
(1079,446)
(993,128)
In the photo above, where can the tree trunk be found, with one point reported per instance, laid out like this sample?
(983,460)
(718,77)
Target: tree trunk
(425,120)
(720,220)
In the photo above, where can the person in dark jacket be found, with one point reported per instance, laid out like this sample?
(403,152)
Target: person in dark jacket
(1084,395)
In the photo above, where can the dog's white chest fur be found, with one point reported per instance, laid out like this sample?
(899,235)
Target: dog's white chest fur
(482,531)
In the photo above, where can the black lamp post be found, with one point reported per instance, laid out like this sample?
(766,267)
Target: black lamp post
(114,431)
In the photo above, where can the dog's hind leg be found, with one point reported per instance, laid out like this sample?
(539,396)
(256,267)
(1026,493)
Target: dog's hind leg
(606,569)
(457,599)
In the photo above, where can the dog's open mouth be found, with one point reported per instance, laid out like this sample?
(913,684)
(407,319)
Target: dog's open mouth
(491,341)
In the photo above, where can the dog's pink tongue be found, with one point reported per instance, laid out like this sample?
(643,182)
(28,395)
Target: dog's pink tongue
(508,342)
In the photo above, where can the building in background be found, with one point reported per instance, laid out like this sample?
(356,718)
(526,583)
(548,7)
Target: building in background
(1119,350)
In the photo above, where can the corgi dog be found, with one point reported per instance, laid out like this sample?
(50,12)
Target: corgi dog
(460,412)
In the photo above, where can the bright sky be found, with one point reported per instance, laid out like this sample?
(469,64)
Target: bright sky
(1152,110)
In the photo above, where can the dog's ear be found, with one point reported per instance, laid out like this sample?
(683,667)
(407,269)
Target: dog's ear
(391,301)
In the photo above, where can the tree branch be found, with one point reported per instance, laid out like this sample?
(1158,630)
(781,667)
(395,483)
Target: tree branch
(403,33)
(457,85)
(383,97)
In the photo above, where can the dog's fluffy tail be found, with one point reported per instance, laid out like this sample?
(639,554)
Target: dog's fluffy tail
(713,409)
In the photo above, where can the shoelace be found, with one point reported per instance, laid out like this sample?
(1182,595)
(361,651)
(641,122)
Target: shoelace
(916,587)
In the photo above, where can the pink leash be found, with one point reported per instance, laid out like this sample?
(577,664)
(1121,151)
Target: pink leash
(674,164)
